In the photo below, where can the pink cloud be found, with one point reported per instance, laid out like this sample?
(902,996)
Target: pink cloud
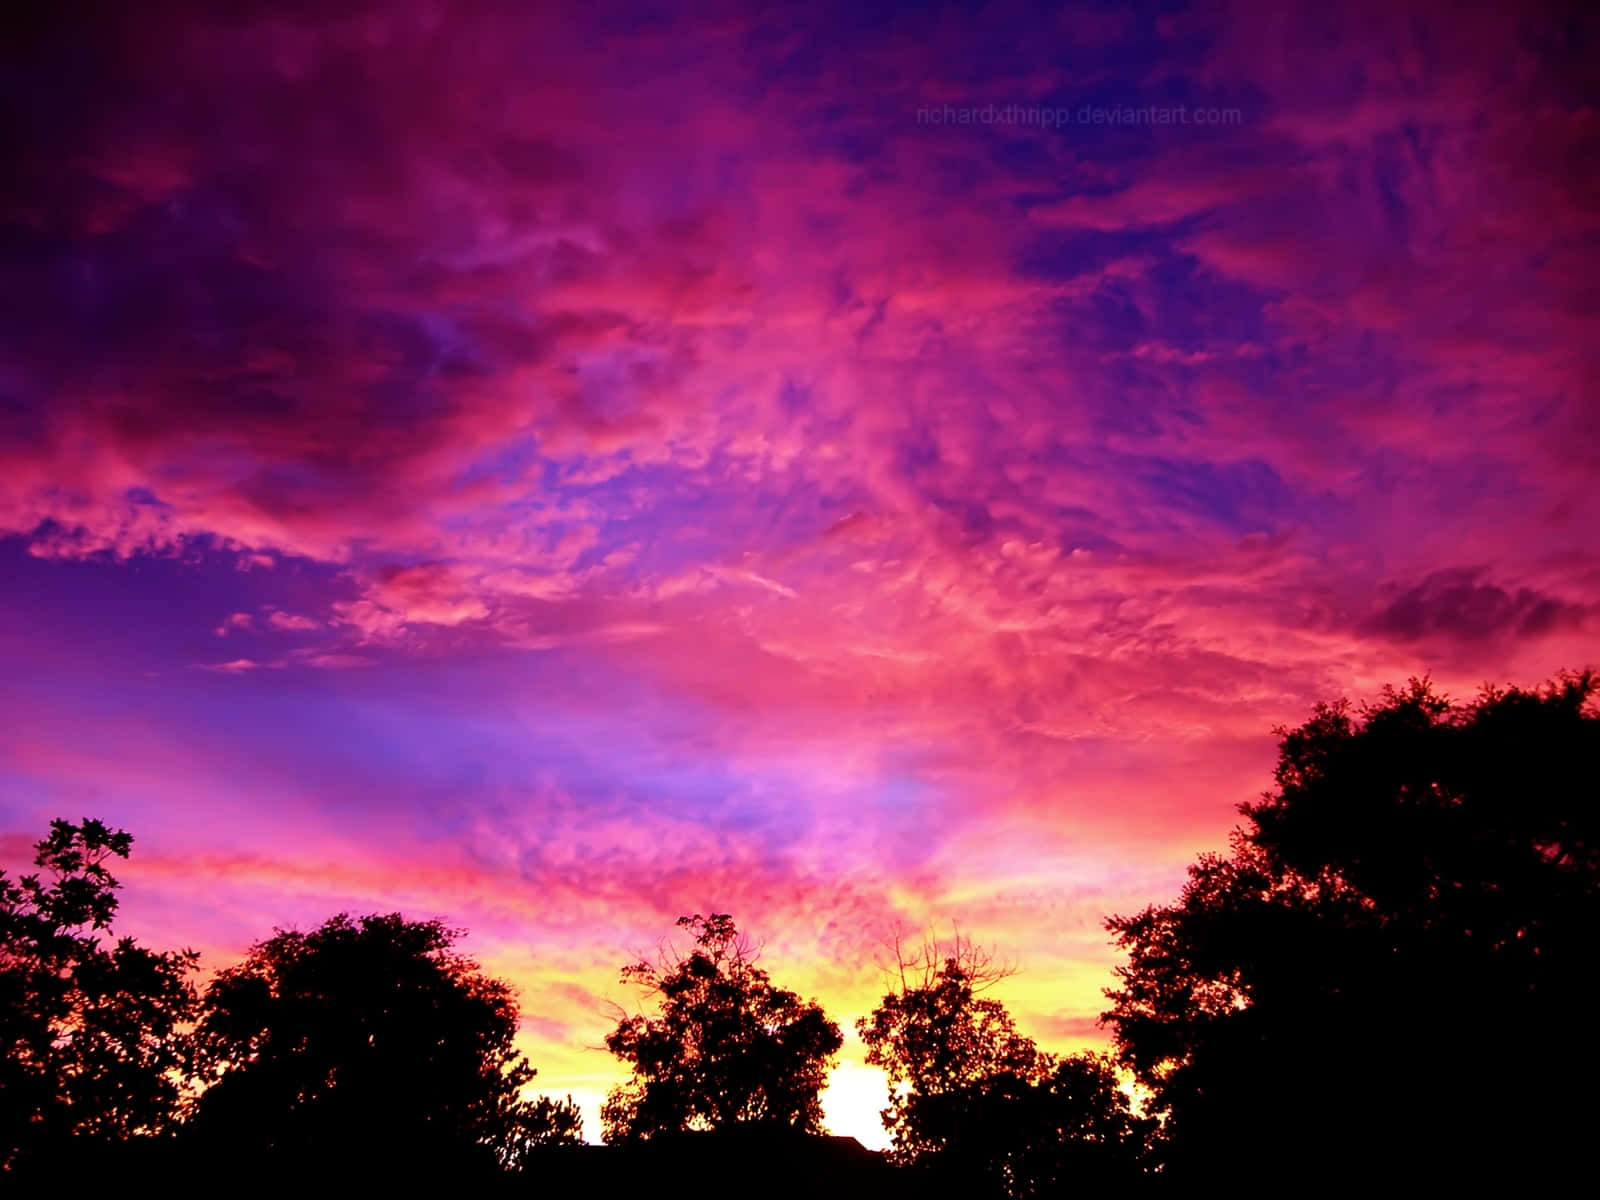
(291,622)
(236,666)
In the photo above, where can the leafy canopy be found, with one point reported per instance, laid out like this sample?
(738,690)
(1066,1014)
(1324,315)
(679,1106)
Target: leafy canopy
(369,1037)
(90,1043)
(973,1097)
(726,1048)
(1397,951)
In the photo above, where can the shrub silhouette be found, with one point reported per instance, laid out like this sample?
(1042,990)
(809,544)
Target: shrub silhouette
(727,1048)
(89,1041)
(1390,971)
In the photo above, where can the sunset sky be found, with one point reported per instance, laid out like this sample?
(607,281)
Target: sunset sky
(850,466)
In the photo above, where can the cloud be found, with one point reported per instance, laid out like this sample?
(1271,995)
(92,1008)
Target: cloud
(238,620)
(1455,604)
(236,666)
(291,622)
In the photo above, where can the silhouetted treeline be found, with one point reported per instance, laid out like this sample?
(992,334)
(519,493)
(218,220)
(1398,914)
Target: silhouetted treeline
(1386,977)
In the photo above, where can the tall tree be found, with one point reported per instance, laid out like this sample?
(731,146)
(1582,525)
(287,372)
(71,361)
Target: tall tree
(1392,965)
(89,1026)
(727,1048)
(367,1042)
(975,1099)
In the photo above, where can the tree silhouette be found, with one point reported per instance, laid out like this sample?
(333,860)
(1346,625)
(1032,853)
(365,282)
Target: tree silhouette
(935,1037)
(728,1048)
(89,1045)
(975,1099)
(367,1043)
(1392,966)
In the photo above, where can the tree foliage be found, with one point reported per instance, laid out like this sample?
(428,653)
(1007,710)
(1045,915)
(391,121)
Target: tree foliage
(936,1036)
(367,1039)
(978,1100)
(727,1047)
(90,1028)
(1392,964)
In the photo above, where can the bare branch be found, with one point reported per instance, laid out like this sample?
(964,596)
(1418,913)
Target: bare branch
(978,964)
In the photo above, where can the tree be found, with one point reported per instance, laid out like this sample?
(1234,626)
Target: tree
(89,1031)
(1010,1136)
(728,1047)
(1392,965)
(368,1043)
(978,1100)
(935,1036)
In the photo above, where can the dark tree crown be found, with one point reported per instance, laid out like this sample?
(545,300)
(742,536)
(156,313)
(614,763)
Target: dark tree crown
(91,1048)
(1395,955)
(727,1047)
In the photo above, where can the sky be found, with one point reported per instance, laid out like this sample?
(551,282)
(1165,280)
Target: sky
(856,467)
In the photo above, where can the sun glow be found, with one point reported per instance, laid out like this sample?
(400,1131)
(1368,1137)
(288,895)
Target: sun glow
(853,1101)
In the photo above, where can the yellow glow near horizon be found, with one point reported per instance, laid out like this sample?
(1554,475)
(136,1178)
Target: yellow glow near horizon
(853,1101)
(852,1104)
